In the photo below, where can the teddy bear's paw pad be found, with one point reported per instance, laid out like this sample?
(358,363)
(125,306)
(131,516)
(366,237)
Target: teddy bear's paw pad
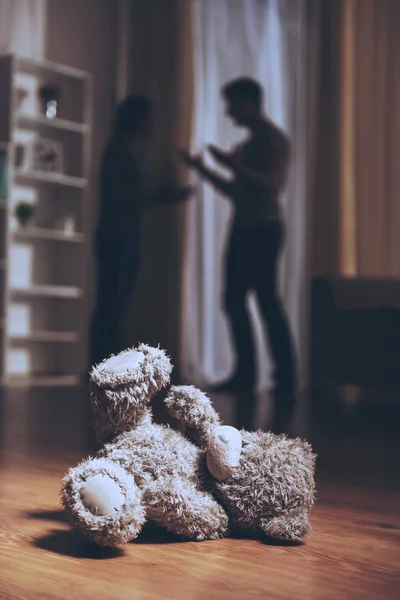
(123,363)
(101,495)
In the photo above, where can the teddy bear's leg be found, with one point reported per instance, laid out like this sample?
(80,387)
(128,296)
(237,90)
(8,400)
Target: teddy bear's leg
(103,502)
(122,387)
(292,525)
(194,409)
(183,509)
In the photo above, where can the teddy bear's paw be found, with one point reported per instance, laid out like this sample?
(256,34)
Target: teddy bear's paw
(123,363)
(122,387)
(292,525)
(144,367)
(103,502)
(194,409)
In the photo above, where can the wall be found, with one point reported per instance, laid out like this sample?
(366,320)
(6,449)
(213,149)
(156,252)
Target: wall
(83,34)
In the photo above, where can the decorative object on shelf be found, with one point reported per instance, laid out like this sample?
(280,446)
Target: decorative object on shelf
(50,96)
(26,98)
(47,155)
(21,96)
(20,156)
(3,176)
(69,225)
(24,212)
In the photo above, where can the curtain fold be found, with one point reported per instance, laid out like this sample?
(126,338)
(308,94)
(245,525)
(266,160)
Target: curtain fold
(275,42)
(357,208)
(23,27)
(376,105)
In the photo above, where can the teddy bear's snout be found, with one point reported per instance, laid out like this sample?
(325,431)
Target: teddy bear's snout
(223,452)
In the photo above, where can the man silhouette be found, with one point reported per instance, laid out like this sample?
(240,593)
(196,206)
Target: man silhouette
(259,168)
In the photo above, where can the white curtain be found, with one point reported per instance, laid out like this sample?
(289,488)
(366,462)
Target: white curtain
(23,27)
(274,41)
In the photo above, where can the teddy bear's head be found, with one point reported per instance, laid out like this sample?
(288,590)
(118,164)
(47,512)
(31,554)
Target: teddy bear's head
(265,482)
(122,387)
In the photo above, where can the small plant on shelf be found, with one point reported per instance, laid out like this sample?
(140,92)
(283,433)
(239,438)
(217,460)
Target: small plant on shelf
(24,212)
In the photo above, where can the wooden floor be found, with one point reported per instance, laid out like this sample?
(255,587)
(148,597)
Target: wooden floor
(353,552)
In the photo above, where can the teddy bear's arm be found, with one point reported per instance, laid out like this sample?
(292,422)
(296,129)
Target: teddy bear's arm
(183,509)
(122,387)
(193,408)
(291,525)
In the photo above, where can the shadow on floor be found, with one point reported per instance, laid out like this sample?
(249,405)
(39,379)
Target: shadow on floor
(70,543)
(48,515)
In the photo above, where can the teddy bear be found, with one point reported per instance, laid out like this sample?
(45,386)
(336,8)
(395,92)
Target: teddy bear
(213,481)
(143,471)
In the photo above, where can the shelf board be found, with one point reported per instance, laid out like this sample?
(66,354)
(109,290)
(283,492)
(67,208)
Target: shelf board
(56,178)
(48,234)
(36,67)
(41,380)
(55,291)
(46,336)
(39,121)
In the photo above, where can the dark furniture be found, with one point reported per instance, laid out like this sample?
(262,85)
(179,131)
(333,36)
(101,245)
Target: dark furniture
(355,333)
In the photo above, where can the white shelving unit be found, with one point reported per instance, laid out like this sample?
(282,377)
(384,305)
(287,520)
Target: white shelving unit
(43,262)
